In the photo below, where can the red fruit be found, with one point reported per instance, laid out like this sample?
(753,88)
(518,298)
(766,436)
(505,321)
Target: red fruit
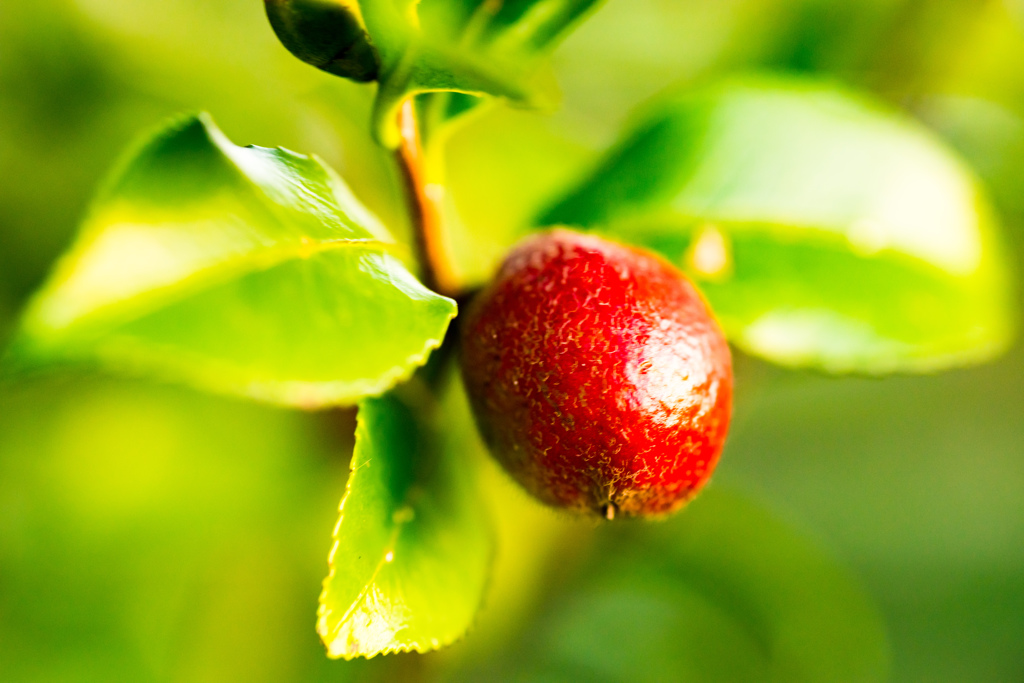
(597,376)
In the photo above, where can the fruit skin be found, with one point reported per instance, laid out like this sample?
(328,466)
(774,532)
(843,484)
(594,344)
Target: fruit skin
(597,376)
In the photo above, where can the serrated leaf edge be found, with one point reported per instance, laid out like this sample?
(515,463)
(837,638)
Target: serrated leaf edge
(220,271)
(295,394)
(328,635)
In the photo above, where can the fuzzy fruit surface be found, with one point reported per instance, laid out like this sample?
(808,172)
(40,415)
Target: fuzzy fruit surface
(597,376)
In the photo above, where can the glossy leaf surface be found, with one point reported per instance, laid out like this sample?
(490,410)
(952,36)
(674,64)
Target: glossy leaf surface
(239,269)
(412,550)
(825,230)
(474,47)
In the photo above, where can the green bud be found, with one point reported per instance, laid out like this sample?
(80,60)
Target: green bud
(329,34)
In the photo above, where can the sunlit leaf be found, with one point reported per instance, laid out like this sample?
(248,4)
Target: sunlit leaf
(508,39)
(238,269)
(462,48)
(825,230)
(412,549)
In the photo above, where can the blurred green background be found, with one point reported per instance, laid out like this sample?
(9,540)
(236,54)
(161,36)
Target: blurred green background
(856,529)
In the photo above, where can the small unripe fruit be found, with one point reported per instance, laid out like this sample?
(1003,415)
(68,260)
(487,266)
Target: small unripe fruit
(597,376)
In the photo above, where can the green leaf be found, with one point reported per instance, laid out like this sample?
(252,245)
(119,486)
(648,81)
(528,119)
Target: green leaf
(412,548)
(474,47)
(329,34)
(825,230)
(237,269)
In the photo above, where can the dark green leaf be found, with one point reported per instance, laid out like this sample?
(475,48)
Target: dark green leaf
(825,230)
(412,548)
(246,270)
(475,47)
(329,34)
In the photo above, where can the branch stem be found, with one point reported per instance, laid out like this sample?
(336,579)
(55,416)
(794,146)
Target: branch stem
(425,206)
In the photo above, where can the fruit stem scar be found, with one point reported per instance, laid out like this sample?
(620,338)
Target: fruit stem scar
(608,511)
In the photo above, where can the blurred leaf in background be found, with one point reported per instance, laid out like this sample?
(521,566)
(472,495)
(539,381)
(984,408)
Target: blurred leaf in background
(723,592)
(824,230)
(154,534)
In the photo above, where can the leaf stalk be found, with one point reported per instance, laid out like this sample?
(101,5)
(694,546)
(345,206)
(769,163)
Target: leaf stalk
(424,199)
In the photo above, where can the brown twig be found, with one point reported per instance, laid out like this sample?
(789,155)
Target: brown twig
(425,213)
